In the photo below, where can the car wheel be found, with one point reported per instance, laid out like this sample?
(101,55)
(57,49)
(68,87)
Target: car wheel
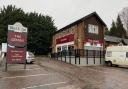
(116,65)
(27,62)
(109,63)
(31,62)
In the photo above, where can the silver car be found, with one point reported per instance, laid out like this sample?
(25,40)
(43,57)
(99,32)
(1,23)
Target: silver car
(29,57)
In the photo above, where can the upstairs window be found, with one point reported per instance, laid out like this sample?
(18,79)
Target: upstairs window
(93,29)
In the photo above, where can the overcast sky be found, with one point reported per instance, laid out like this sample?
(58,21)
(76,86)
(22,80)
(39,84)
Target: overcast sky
(65,12)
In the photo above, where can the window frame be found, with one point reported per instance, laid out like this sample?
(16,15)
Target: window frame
(94,29)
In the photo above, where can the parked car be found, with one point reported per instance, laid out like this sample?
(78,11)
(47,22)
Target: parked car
(29,57)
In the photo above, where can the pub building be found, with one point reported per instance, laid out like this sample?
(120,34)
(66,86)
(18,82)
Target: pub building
(86,33)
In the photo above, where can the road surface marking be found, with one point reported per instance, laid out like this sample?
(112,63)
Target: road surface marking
(26,76)
(45,85)
(30,69)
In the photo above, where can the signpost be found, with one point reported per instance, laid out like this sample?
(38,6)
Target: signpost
(16,44)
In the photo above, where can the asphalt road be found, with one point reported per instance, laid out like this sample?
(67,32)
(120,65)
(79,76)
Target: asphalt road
(33,77)
(53,74)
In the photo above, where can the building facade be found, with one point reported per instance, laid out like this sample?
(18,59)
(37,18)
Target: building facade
(85,33)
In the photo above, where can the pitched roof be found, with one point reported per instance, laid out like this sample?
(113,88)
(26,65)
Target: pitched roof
(112,39)
(82,19)
(115,39)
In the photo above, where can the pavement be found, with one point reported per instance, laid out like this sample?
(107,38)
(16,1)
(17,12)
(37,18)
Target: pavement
(47,73)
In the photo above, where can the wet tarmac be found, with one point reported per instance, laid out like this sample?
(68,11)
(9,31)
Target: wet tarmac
(99,77)
(54,74)
(33,77)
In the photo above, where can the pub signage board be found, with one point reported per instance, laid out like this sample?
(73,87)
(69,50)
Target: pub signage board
(17,35)
(65,39)
(16,55)
(17,41)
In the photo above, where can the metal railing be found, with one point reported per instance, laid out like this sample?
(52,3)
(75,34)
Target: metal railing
(78,54)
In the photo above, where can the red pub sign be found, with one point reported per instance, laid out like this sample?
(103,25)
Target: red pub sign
(65,39)
(17,41)
(93,41)
(16,55)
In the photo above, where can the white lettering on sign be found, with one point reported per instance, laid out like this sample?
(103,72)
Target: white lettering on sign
(17,27)
(17,36)
(19,40)
(63,39)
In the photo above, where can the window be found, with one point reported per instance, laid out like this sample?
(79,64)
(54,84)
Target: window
(64,47)
(108,53)
(126,54)
(93,29)
(58,49)
(70,47)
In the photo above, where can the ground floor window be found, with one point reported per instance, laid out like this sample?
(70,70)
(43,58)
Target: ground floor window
(93,48)
(70,47)
(59,49)
(64,47)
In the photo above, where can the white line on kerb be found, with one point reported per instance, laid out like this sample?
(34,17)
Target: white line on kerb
(44,85)
(25,76)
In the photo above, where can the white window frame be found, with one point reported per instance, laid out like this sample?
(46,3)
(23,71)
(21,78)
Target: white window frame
(93,29)
(64,44)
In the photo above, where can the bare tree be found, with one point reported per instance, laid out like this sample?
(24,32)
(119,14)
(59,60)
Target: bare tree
(124,18)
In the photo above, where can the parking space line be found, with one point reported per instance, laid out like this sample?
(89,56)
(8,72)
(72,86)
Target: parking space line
(100,71)
(96,70)
(26,76)
(49,84)
(30,69)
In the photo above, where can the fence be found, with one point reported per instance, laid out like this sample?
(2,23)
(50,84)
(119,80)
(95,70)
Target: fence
(81,57)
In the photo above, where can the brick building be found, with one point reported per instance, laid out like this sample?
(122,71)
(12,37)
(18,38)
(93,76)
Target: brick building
(81,42)
(85,33)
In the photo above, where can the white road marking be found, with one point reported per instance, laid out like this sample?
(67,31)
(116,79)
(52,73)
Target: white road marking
(101,71)
(96,70)
(30,69)
(45,85)
(26,76)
